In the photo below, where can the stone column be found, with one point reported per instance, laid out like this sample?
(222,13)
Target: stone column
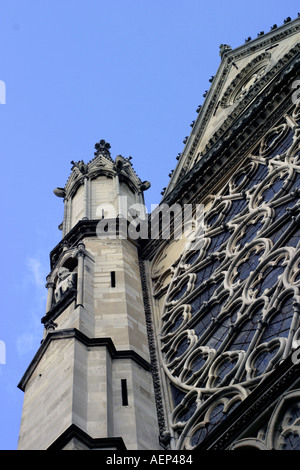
(86,199)
(80,275)
(50,287)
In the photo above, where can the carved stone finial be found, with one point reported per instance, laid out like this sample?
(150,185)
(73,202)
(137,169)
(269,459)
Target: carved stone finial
(81,166)
(122,163)
(102,146)
(224,48)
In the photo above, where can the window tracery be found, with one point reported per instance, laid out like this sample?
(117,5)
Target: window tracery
(283,429)
(229,314)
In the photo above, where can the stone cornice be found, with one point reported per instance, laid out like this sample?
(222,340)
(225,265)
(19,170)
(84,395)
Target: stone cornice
(83,229)
(74,432)
(265,41)
(60,307)
(101,165)
(73,333)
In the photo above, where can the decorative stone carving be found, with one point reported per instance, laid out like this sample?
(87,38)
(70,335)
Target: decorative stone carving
(80,166)
(59,192)
(102,146)
(245,79)
(224,48)
(283,430)
(230,314)
(66,280)
(145,185)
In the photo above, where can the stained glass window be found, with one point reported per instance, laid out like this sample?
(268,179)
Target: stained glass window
(241,307)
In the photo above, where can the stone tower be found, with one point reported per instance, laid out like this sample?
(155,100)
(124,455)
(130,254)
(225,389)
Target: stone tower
(90,384)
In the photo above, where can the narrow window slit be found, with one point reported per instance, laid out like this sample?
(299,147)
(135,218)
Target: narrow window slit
(113,279)
(124,392)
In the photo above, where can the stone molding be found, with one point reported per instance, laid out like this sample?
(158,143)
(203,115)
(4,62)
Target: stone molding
(85,228)
(152,351)
(100,443)
(251,410)
(74,333)
(209,106)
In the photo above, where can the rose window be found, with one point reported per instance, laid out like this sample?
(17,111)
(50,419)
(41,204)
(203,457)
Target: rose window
(229,315)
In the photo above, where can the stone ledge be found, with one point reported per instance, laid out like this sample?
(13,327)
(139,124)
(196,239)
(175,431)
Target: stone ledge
(74,432)
(89,342)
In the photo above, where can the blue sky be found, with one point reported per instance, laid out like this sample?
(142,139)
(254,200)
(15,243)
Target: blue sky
(127,71)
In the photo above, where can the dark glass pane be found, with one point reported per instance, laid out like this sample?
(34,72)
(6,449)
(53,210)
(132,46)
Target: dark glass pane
(243,338)
(279,324)
(237,206)
(181,292)
(294,413)
(275,187)
(201,326)
(217,241)
(198,436)
(294,238)
(219,334)
(191,257)
(197,363)
(182,346)
(258,177)
(204,296)
(281,209)
(175,325)
(204,273)
(296,183)
(262,360)
(187,412)
(249,265)
(217,414)
(251,232)
(291,442)
(211,219)
(224,369)
(282,146)
(279,231)
(177,395)
(270,277)
(206,317)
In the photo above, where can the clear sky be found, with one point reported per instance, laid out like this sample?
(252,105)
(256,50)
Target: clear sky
(132,72)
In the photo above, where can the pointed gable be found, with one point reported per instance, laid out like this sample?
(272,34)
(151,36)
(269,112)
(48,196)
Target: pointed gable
(244,75)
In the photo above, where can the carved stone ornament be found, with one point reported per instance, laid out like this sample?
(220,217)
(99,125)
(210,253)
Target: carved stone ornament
(245,79)
(65,281)
(230,311)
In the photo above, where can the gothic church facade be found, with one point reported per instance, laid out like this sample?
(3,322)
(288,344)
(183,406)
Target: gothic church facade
(182,342)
